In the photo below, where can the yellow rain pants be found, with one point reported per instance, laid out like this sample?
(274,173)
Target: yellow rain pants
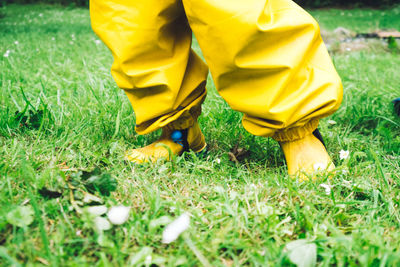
(266,57)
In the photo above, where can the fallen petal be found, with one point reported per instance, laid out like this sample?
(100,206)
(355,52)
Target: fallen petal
(327,188)
(118,214)
(102,223)
(344,154)
(174,229)
(97,210)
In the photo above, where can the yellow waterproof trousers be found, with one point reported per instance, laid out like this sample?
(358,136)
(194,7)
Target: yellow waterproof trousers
(266,57)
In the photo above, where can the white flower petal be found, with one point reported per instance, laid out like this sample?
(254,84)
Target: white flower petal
(97,42)
(287,232)
(327,188)
(233,194)
(102,223)
(118,214)
(97,210)
(319,166)
(219,189)
(174,229)
(148,260)
(331,122)
(344,154)
(16,43)
(347,183)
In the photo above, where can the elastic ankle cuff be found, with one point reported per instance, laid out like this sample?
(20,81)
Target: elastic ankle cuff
(296,133)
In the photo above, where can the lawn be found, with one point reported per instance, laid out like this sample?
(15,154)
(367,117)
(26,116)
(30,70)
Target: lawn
(62,116)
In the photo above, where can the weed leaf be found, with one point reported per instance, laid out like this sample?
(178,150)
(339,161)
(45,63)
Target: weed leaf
(47,193)
(86,175)
(104,241)
(22,216)
(31,119)
(102,224)
(103,183)
(302,253)
(95,181)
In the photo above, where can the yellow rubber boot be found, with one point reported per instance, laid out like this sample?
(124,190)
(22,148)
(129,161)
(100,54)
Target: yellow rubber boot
(171,143)
(306,157)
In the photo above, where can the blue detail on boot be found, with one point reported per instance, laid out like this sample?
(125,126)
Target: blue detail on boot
(177,137)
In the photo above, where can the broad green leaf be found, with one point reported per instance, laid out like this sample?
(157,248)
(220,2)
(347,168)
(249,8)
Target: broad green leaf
(102,223)
(21,216)
(94,181)
(86,175)
(104,241)
(103,183)
(302,253)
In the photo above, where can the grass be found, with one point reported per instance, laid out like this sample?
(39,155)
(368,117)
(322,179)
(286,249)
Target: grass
(242,214)
(359,20)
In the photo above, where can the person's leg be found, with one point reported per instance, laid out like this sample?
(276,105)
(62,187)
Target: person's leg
(153,62)
(268,61)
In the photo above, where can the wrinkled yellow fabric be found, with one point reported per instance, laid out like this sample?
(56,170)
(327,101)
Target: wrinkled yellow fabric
(266,57)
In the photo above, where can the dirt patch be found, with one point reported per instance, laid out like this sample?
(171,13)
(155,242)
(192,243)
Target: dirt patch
(343,40)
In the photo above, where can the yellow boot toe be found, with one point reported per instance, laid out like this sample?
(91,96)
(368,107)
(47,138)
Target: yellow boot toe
(306,157)
(171,143)
(160,149)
